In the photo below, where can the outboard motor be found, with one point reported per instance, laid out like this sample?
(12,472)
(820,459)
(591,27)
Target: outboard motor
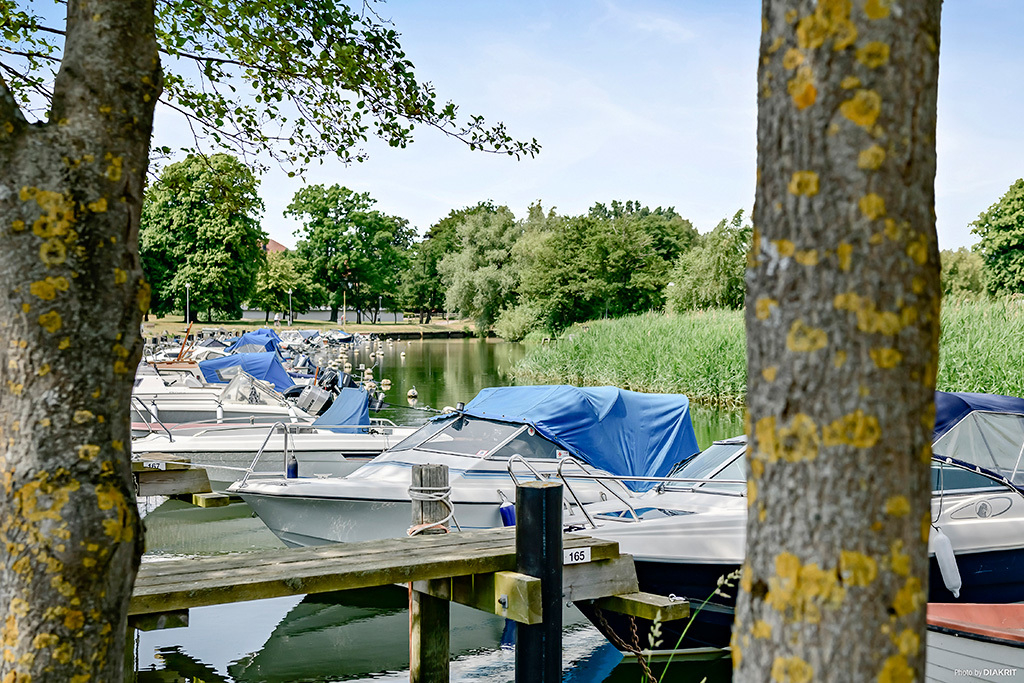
(329,380)
(314,400)
(377,402)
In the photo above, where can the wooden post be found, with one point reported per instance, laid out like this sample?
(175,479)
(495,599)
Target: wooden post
(539,554)
(428,616)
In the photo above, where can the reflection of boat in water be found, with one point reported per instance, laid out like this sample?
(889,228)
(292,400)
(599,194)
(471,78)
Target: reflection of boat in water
(333,636)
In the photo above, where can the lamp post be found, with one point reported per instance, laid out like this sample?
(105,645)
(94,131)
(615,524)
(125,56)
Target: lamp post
(187,316)
(380,307)
(289,307)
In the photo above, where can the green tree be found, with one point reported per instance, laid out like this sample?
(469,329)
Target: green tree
(842,321)
(284,282)
(963,273)
(316,78)
(356,252)
(423,288)
(1001,229)
(613,261)
(481,278)
(711,274)
(200,225)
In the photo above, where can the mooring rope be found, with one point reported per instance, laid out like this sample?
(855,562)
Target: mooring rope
(432,494)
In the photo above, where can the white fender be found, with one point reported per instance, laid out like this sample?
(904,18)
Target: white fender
(947,562)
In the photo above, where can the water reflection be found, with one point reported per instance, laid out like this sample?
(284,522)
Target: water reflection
(363,635)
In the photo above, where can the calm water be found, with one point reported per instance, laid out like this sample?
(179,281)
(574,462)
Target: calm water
(363,635)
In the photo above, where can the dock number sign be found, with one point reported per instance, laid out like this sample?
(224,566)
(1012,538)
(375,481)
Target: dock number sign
(575,555)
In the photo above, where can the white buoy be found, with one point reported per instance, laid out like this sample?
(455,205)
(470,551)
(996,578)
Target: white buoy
(947,562)
(412,393)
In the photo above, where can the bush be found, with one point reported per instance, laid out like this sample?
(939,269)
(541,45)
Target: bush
(513,324)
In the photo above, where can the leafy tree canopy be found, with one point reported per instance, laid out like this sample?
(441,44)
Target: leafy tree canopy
(296,81)
(200,226)
(711,275)
(481,277)
(284,281)
(963,273)
(1001,229)
(356,252)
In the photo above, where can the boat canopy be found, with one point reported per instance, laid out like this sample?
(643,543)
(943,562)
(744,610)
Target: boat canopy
(264,366)
(350,407)
(623,432)
(982,431)
(268,332)
(255,342)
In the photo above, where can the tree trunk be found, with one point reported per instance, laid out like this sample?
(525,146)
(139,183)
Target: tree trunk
(70,200)
(266,318)
(334,314)
(842,319)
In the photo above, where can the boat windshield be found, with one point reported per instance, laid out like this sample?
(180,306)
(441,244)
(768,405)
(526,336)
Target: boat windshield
(470,436)
(994,441)
(530,445)
(422,434)
(722,460)
(244,388)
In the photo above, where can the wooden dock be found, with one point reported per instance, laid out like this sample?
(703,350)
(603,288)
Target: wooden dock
(476,568)
(483,569)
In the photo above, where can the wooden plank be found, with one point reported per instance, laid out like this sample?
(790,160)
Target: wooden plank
(172,482)
(429,617)
(181,584)
(212,500)
(646,606)
(509,594)
(598,579)
(160,461)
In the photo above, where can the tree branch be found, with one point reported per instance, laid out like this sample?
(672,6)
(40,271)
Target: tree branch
(9,109)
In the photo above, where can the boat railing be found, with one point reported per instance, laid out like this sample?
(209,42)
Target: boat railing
(285,452)
(144,410)
(589,474)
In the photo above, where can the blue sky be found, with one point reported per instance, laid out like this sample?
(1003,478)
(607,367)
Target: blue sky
(651,101)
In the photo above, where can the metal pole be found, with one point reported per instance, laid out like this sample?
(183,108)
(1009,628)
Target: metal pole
(187,316)
(289,307)
(539,554)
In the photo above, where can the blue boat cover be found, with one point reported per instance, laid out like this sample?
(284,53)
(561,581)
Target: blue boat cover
(254,340)
(351,407)
(622,432)
(269,332)
(950,408)
(265,366)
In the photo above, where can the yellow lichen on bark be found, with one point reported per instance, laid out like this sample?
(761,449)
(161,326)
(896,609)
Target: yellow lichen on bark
(896,670)
(804,183)
(877,9)
(873,54)
(863,108)
(803,338)
(897,506)
(807,257)
(857,429)
(872,206)
(785,248)
(792,59)
(899,561)
(799,592)
(909,598)
(871,159)
(849,83)
(886,358)
(763,307)
(801,88)
(844,252)
(770,372)
(857,569)
(51,321)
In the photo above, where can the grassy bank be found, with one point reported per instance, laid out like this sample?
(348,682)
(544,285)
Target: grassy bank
(703,354)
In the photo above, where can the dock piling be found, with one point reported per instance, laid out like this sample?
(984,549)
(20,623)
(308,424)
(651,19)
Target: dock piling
(429,616)
(539,554)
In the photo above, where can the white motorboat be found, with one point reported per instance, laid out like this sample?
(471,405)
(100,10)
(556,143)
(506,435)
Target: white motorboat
(503,434)
(336,443)
(689,531)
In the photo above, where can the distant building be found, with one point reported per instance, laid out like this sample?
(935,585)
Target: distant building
(274,245)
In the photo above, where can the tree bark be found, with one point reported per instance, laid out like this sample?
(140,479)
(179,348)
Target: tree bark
(70,200)
(842,323)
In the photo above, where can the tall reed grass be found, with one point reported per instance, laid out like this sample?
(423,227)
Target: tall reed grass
(703,354)
(982,346)
(700,354)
